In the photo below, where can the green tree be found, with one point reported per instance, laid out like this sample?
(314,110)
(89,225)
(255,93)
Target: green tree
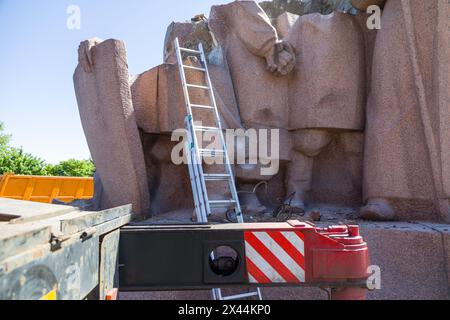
(16,161)
(72,168)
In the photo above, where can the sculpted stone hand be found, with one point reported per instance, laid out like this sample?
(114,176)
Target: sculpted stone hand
(286,59)
(281,59)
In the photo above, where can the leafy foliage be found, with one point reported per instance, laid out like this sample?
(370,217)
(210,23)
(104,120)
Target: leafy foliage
(17,161)
(72,168)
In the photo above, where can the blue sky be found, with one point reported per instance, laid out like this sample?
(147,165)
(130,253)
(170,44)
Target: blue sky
(38,55)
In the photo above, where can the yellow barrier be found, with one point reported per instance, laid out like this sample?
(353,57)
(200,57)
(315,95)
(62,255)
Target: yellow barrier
(46,189)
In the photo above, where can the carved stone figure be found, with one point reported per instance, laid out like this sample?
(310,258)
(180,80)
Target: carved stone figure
(406,166)
(307,76)
(109,122)
(261,81)
(320,99)
(326,93)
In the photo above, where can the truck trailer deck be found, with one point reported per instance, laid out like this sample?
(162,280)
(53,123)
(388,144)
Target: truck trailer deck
(58,252)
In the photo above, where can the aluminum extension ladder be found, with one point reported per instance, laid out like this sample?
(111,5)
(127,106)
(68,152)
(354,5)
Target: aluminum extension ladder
(199,180)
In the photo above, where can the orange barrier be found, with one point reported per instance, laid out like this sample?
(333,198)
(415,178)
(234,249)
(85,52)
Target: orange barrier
(46,189)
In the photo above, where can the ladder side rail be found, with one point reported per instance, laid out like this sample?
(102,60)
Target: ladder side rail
(259,294)
(232,183)
(201,187)
(197,200)
(202,216)
(201,174)
(195,177)
(217,294)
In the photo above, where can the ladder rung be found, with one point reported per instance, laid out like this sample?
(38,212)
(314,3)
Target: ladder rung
(196,86)
(221,203)
(194,68)
(217,177)
(241,296)
(202,106)
(190,50)
(206,129)
(211,152)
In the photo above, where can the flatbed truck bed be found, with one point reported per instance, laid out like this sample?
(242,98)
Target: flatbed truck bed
(58,252)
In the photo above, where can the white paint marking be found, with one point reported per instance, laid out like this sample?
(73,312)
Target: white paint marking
(296,241)
(262,264)
(282,255)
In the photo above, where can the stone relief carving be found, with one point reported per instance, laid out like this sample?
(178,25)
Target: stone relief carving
(359,127)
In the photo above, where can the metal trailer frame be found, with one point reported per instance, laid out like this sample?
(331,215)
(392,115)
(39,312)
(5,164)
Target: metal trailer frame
(67,254)
(58,252)
(179,257)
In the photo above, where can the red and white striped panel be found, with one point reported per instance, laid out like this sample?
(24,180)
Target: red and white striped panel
(275,257)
